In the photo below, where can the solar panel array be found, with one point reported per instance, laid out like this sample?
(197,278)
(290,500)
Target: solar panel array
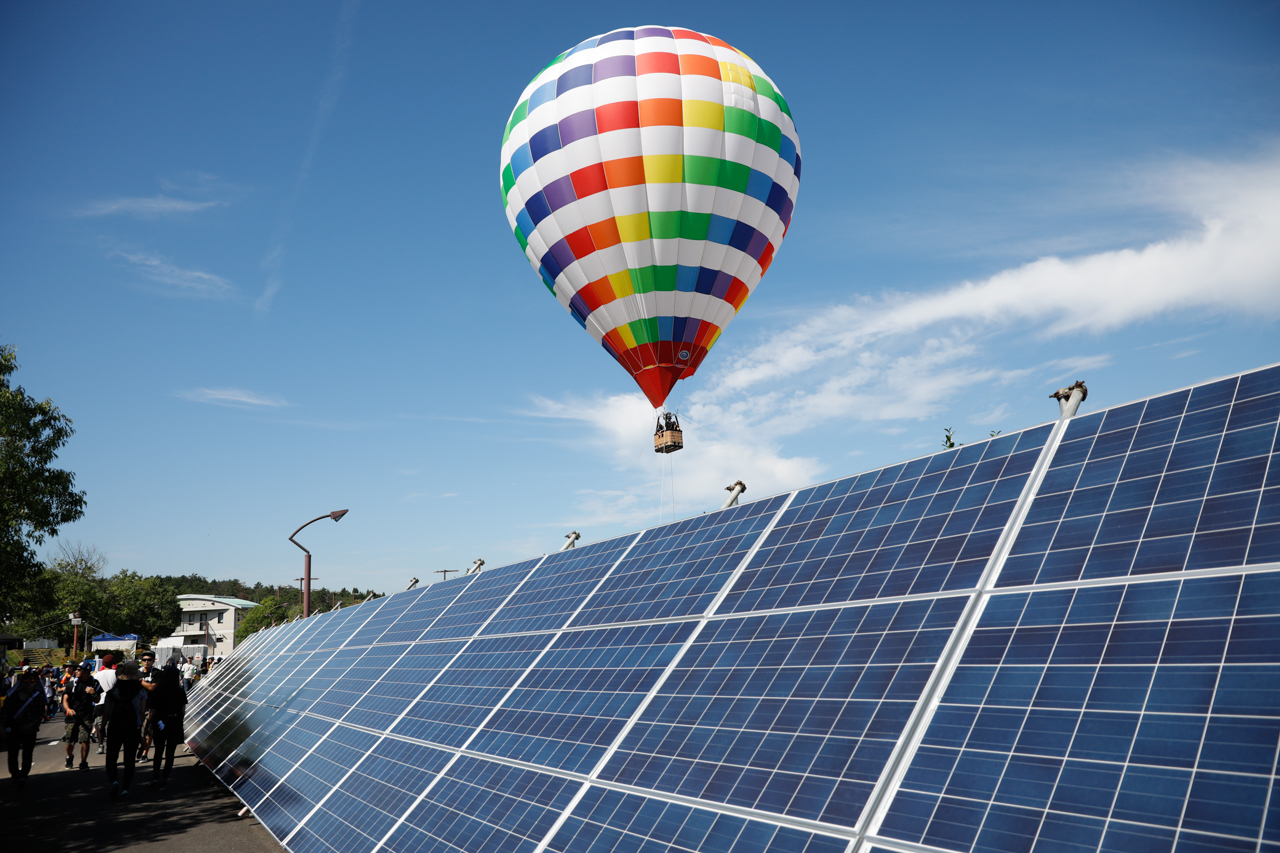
(1064,639)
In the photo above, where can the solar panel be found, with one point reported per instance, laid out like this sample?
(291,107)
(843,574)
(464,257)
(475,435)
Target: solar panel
(1063,639)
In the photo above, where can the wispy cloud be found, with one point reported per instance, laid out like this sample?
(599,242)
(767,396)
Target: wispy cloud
(191,193)
(147,208)
(178,281)
(273,263)
(234,397)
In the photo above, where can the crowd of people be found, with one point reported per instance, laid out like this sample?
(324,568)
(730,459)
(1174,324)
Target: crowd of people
(131,709)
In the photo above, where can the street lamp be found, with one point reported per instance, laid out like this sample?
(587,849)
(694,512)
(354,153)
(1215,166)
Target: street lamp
(336,515)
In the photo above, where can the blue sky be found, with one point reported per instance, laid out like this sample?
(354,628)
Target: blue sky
(257,253)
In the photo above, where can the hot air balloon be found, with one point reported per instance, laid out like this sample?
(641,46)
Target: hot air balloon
(649,175)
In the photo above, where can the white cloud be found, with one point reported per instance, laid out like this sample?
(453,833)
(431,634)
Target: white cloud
(179,281)
(620,427)
(907,356)
(234,397)
(147,208)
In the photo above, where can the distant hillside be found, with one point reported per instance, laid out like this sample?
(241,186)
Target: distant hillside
(322,598)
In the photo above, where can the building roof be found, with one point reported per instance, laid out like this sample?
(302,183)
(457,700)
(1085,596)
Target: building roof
(221,599)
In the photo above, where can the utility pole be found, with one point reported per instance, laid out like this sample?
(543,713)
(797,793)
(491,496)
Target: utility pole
(447,572)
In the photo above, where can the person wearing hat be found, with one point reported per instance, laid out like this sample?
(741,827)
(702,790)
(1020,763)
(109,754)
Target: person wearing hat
(20,717)
(77,705)
(122,720)
(149,676)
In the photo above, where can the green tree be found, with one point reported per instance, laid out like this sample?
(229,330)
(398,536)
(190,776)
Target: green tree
(146,606)
(270,610)
(72,582)
(35,497)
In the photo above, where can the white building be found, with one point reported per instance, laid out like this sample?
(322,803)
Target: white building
(209,620)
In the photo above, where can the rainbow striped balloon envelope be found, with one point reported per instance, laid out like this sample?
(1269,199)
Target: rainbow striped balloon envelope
(649,174)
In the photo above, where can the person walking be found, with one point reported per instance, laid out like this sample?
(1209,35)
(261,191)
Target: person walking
(148,675)
(122,720)
(20,717)
(188,673)
(168,703)
(77,705)
(106,678)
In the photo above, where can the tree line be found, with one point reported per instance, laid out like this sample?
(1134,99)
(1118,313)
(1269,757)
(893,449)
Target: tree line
(75,580)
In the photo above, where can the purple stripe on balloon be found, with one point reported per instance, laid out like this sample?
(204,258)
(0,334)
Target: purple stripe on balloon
(650,32)
(559,192)
(785,213)
(578,126)
(723,280)
(563,254)
(691,330)
(615,66)
(620,35)
(756,247)
(573,78)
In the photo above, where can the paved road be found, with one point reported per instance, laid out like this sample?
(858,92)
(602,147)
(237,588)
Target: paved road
(69,810)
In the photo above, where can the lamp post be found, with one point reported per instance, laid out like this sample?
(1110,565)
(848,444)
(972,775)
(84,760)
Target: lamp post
(336,515)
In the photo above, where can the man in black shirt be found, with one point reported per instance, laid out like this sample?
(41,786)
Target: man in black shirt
(77,704)
(148,675)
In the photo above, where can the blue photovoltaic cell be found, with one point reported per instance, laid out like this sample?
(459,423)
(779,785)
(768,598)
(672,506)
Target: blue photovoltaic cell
(313,777)
(397,688)
(281,756)
(792,714)
(469,688)
(1171,483)
(392,609)
(924,526)
(558,587)
(612,820)
(1112,712)
(365,671)
(367,803)
(480,805)
(676,570)
(423,611)
(485,594)
(1105,714)
(571,706)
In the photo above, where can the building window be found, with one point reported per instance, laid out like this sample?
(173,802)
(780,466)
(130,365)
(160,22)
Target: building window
(219,617)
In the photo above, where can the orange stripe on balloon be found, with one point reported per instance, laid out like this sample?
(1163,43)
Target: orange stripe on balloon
(605,233)
(625,172)
(664,111)
(691,63)
(602,291)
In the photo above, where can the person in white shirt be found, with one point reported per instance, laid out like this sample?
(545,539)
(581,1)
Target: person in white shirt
(106,678)
(188,673)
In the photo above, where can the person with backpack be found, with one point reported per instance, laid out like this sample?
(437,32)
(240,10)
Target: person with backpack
(20,717)
(121,723)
